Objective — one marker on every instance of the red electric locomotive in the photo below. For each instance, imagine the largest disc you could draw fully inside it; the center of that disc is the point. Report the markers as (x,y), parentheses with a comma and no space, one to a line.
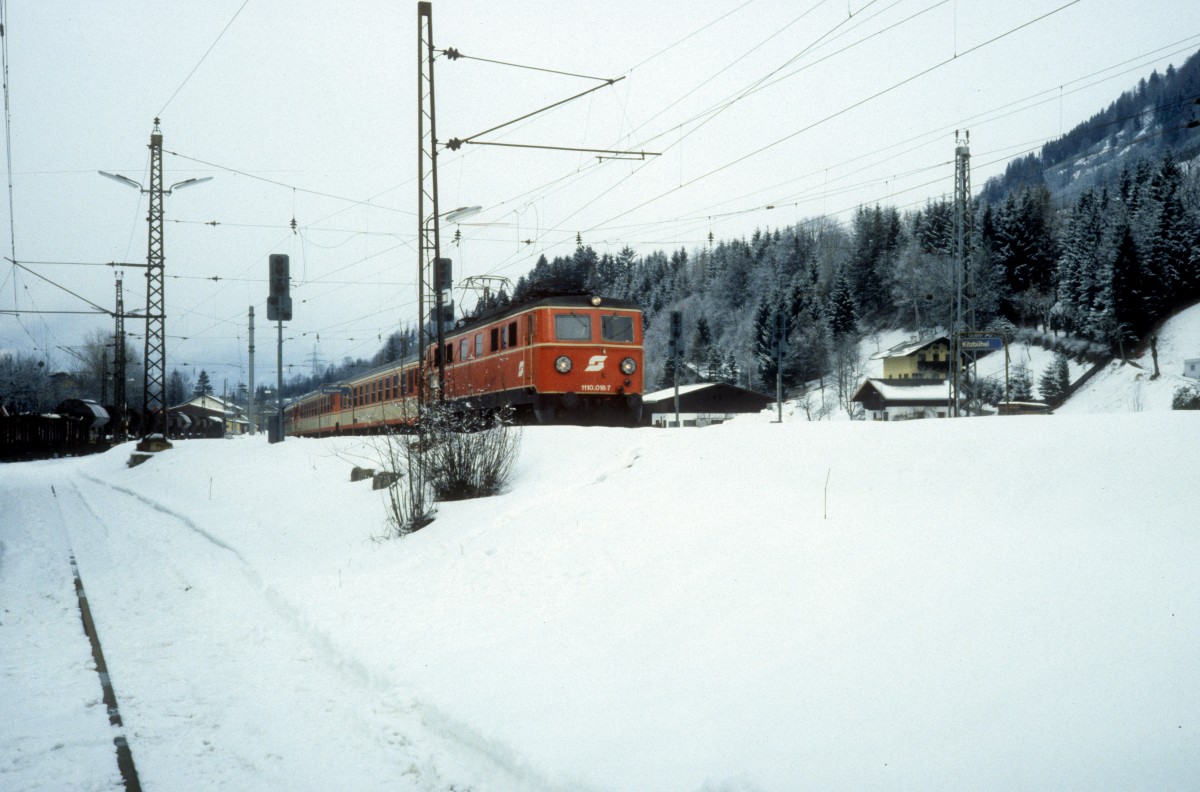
(560,359)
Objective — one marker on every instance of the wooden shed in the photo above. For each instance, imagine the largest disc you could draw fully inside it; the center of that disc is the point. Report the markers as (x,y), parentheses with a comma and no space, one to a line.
(701,404)
(898,400)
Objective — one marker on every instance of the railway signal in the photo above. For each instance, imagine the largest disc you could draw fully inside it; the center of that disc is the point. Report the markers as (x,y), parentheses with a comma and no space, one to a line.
(279,300)
(443,279)
(279,310)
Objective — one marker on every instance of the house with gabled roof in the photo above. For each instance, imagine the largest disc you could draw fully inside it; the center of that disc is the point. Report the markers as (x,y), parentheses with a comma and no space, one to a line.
(925,358)
(209,416)
(915,381)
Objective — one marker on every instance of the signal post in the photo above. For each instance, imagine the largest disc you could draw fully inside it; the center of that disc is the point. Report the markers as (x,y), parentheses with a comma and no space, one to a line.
(279,310)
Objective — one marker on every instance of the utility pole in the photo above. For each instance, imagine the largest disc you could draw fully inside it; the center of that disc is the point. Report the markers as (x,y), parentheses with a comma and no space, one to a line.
(315,361)
(154,384)
(780,345)
(676,350)
(119,365)
(250,396)
(964,306)
(103,377)
(279,383)
(428,223)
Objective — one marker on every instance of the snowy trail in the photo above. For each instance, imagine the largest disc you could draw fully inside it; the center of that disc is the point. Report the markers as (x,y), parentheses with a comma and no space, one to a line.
(240,653)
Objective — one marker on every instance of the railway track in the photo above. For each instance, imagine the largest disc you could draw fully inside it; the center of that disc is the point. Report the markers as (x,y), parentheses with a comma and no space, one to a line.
(125,762)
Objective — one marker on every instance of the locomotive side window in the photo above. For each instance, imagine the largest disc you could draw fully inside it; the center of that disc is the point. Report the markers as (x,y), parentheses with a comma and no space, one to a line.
(462,349)
(512,333)
(616,328)
(572,327)
(478,344)
(495,339)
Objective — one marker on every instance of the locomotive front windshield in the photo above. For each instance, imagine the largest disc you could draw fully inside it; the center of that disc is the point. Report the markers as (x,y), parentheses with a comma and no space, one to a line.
(572,327)
(617,328)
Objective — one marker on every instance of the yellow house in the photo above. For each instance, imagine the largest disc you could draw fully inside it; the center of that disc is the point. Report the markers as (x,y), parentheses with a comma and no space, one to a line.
(919,359)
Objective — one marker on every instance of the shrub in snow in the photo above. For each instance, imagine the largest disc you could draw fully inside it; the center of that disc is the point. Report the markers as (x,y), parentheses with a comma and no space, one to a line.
(1187,397)
(468,456)
(452,457)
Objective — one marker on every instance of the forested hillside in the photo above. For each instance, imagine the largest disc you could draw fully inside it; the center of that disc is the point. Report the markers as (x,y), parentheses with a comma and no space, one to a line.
(1104,269)
(1143,123)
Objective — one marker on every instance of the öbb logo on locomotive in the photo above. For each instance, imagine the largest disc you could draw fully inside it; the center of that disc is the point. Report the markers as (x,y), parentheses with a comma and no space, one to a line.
(596,363)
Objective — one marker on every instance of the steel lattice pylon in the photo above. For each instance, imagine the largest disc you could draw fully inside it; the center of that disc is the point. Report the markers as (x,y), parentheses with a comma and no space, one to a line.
(964,306)
(119,364)
(155,382)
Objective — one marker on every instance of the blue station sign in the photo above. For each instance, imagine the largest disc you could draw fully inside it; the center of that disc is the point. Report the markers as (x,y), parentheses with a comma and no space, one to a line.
(981,343)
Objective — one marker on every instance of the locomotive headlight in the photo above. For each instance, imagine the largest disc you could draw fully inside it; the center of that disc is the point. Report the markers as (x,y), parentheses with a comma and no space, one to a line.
(628,366)
(562,364)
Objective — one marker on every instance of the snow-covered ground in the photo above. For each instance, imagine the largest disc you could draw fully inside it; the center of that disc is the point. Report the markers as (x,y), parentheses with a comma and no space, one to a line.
(986,604)
(1130,387)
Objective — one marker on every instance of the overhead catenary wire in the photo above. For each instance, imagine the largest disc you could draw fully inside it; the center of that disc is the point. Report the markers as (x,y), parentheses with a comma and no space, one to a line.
(204,56)
(277,183)
(454,54)
(552,231)
(848,108)
(714,111)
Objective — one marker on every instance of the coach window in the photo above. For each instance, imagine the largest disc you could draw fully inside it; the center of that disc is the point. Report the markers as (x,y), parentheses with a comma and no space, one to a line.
(572,327)
(616,328)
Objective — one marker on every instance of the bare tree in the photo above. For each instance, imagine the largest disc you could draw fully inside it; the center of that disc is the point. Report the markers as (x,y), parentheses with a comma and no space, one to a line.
(409,495)
(848,371)
(24,384)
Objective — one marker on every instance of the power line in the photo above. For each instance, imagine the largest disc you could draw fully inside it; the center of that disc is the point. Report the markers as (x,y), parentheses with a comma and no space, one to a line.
(202,57)
(454,54)
(249,175)
(843,111)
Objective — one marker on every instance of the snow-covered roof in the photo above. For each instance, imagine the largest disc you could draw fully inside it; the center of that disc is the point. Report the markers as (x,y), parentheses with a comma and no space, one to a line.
(893,391)
(670,392)
(906,348)
(207,402)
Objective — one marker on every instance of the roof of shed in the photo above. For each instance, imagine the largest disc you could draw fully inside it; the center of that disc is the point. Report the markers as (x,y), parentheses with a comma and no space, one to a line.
(907,391)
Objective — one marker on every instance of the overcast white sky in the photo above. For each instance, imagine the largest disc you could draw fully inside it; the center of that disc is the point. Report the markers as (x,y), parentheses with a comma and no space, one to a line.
(855,103)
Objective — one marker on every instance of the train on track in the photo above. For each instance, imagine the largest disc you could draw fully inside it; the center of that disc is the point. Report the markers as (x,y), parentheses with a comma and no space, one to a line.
(573,359)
